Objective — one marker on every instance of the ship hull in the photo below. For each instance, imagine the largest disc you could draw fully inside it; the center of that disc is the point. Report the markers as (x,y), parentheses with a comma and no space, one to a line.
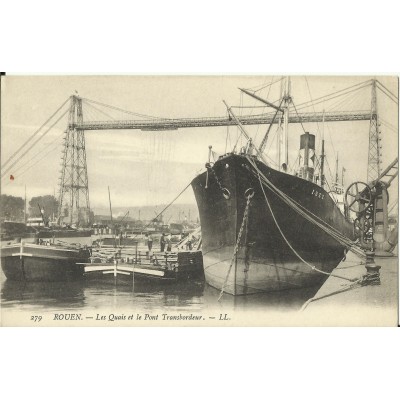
(37,263)
(58,236)
(265,261)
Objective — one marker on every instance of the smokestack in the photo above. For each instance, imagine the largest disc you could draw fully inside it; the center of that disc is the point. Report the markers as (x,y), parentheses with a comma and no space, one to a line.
(307,150)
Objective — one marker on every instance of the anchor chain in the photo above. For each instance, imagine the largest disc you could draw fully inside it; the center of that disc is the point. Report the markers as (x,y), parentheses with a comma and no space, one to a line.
(225,192)
(236,249)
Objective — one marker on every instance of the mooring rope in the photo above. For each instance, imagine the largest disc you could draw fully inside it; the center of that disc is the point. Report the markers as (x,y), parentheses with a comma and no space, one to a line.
(313,267)
(367,279)
(331,231)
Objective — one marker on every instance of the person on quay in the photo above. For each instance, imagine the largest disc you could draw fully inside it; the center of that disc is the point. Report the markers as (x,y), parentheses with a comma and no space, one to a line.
(169,243)
(162,242)
(149,241)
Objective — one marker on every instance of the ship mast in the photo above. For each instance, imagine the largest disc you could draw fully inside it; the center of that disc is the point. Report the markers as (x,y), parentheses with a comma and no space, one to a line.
(245,134)
(322,172)
(337,170)
(261,148)
(283,134)
(285,137)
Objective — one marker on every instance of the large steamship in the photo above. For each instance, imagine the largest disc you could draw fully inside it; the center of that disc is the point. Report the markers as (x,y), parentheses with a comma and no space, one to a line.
(265,229)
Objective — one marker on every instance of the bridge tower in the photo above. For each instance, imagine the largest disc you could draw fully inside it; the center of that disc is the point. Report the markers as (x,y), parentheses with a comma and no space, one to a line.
(374,149)
(73,202)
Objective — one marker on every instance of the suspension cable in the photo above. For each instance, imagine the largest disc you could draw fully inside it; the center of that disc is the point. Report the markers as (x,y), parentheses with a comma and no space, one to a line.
(35,155)
(100,111)
(30,148)
(29,167)
(389,92)
(34,134)
(120,109)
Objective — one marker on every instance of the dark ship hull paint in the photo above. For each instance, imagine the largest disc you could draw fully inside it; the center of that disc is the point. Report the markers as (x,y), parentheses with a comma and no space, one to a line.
(270,263)
(38,263)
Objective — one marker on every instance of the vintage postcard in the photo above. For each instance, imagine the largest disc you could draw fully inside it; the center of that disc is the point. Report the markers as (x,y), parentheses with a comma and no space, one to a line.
(199,201)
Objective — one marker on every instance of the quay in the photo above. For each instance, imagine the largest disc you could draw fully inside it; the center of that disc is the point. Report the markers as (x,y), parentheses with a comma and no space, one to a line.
(341,302)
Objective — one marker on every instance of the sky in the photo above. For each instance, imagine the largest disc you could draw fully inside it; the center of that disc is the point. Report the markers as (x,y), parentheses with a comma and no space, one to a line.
(149,168)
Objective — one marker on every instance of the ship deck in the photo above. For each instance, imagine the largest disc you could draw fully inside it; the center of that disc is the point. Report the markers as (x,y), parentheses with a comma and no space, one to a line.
(338,302)
(166,266)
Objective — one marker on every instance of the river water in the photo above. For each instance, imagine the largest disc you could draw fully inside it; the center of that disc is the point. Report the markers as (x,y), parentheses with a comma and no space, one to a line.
(89,298)
(86,296)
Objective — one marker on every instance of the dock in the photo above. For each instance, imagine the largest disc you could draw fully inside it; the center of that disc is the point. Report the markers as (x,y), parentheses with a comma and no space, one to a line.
(357,301)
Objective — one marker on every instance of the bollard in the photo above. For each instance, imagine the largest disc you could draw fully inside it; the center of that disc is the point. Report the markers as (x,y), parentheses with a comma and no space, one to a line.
(372,276)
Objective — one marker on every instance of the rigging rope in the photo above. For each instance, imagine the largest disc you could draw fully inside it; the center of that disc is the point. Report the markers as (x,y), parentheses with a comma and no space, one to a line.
(331,175)
(334,95)
(307,214)
(269,90)
(309,91)
(298,116)
(264,86)
(313,267)
(249,107)
(176,198)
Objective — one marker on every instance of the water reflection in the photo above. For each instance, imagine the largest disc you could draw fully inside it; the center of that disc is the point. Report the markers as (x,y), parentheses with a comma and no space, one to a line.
(194,296)
(182,296)
(52,295)
(89,295)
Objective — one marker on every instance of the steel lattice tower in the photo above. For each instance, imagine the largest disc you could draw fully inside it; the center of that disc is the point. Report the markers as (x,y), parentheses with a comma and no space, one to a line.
(374,150)
(74,207)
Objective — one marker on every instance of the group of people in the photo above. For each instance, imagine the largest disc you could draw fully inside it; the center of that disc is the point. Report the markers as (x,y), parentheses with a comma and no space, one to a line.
(164,241)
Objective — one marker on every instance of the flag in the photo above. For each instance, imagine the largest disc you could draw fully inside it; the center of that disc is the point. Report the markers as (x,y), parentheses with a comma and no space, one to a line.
(11,177)
(214,155)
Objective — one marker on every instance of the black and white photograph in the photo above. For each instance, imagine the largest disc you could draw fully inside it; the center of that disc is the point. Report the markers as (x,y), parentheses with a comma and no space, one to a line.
(199,200)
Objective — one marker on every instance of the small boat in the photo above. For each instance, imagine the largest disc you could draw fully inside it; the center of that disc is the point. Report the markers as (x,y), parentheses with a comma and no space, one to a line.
(161,267)
(14,232)
(43,262)
(65,236)
(10,230)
